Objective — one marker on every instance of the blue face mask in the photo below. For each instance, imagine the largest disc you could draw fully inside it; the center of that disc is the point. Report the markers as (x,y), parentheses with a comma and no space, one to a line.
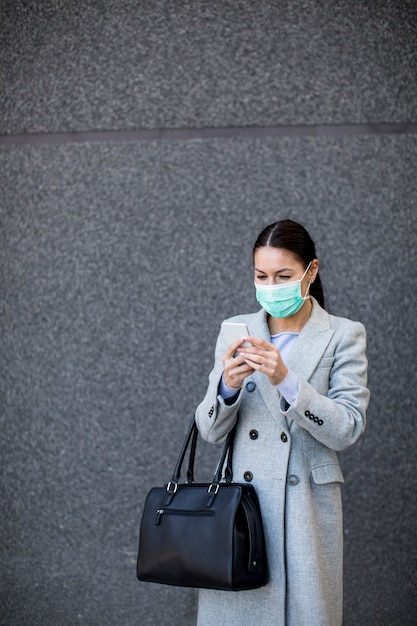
(282,300)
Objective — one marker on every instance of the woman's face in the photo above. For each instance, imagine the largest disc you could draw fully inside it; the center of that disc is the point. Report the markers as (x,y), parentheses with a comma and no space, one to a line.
(277,266)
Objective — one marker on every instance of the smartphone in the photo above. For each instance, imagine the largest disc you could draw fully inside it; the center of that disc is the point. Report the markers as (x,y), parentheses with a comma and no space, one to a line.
(234,331)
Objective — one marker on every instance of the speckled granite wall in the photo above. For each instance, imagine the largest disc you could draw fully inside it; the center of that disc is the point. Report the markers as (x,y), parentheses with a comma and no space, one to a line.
(75,66)
(119,261)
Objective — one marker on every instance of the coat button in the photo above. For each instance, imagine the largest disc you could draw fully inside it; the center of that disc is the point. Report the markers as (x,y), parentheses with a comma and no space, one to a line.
(284,437)
(248,476)
(250,386)
(253,434)
(293,480)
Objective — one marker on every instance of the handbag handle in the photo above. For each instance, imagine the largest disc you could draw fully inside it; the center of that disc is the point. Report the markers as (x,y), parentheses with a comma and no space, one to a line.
(192,436)
(190,470)
(172,486)
(228,472)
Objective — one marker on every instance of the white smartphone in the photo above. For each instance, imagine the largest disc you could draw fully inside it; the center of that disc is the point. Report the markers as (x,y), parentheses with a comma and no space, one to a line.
(234,331)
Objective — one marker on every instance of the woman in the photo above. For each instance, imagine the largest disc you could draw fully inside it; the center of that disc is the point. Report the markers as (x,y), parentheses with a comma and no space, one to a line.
(299,394)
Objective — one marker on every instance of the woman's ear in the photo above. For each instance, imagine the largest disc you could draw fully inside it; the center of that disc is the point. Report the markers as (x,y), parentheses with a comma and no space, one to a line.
(313,270)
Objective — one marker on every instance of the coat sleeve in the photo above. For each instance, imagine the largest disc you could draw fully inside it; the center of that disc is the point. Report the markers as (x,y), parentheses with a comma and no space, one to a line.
(337,419)
(215,417)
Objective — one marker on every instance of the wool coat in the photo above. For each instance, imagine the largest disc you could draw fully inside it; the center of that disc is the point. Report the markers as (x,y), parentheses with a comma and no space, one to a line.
(289,454)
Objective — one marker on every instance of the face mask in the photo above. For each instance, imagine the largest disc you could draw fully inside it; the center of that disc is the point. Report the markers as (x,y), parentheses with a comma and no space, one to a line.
(282,300)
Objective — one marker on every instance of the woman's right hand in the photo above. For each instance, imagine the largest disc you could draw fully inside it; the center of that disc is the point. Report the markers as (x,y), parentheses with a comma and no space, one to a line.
(235,369)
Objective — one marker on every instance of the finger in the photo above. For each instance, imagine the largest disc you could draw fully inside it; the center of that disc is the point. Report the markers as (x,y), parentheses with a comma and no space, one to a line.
(233,347)
(258,342)
(236,377)
(237,360)
(255,361)
(256,354)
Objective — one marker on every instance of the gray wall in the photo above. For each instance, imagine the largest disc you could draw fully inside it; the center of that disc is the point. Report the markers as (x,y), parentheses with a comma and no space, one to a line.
(126,233)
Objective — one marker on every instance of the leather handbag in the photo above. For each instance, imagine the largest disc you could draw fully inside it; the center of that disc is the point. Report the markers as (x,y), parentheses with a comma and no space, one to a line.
(206,535)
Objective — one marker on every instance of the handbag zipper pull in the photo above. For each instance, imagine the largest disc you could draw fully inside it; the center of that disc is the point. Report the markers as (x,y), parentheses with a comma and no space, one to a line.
(159,514)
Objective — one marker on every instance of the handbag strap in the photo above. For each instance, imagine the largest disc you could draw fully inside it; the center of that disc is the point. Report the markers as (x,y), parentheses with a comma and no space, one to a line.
(173,483)
(228,472)
(192,436)
(226,452)
(190,470)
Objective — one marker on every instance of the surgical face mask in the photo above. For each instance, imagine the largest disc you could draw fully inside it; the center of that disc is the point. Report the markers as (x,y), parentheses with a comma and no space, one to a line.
(282,300)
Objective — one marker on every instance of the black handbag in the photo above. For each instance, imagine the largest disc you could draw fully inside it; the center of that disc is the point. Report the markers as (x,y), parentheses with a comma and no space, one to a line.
(206,535)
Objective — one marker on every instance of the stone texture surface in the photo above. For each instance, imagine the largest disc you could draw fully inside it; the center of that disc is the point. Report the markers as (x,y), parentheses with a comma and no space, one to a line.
(119,262)
(71,66)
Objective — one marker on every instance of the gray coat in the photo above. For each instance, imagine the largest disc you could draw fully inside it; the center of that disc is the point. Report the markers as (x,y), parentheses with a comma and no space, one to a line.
(290,458)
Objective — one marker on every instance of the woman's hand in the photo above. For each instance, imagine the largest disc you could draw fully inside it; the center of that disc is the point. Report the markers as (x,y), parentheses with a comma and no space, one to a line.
(266,358)
(236,368)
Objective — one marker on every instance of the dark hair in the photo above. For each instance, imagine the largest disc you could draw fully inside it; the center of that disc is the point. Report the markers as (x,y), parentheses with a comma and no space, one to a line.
(293,237)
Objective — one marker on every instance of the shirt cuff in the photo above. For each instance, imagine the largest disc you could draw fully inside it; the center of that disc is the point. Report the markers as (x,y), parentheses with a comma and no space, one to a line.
(225,391)
(289,387)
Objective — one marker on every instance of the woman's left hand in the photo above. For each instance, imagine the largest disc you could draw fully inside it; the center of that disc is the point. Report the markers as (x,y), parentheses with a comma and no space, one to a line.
(264,357)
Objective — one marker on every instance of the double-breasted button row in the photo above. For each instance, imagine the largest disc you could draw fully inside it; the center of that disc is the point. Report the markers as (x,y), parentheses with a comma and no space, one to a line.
(253,434)
(313,417)
(292,480)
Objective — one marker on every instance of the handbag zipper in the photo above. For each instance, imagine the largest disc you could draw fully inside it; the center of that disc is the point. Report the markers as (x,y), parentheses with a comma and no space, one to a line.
(199,513)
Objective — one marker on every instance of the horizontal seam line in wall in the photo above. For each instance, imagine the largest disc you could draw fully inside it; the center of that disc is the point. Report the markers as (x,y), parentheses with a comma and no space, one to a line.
(186,134)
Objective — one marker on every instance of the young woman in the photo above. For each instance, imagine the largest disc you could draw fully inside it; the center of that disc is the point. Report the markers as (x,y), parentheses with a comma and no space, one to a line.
(299,394)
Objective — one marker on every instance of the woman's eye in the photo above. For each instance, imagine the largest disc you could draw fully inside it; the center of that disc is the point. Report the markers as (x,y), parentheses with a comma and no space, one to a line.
(285,277)
(260,277)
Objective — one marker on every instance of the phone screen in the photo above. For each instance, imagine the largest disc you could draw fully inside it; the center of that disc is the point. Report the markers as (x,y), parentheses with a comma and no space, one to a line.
(234,331)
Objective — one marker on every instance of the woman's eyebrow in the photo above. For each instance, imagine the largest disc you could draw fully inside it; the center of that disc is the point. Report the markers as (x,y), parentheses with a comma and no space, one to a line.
(284,269)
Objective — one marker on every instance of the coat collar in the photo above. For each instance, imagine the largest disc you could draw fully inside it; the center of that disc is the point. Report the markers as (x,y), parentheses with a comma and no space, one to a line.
(311,343)
(305,354)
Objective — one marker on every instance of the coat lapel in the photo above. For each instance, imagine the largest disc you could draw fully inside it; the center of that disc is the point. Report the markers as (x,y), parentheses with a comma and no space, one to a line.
(303,359)
(311,343)
(268,392)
